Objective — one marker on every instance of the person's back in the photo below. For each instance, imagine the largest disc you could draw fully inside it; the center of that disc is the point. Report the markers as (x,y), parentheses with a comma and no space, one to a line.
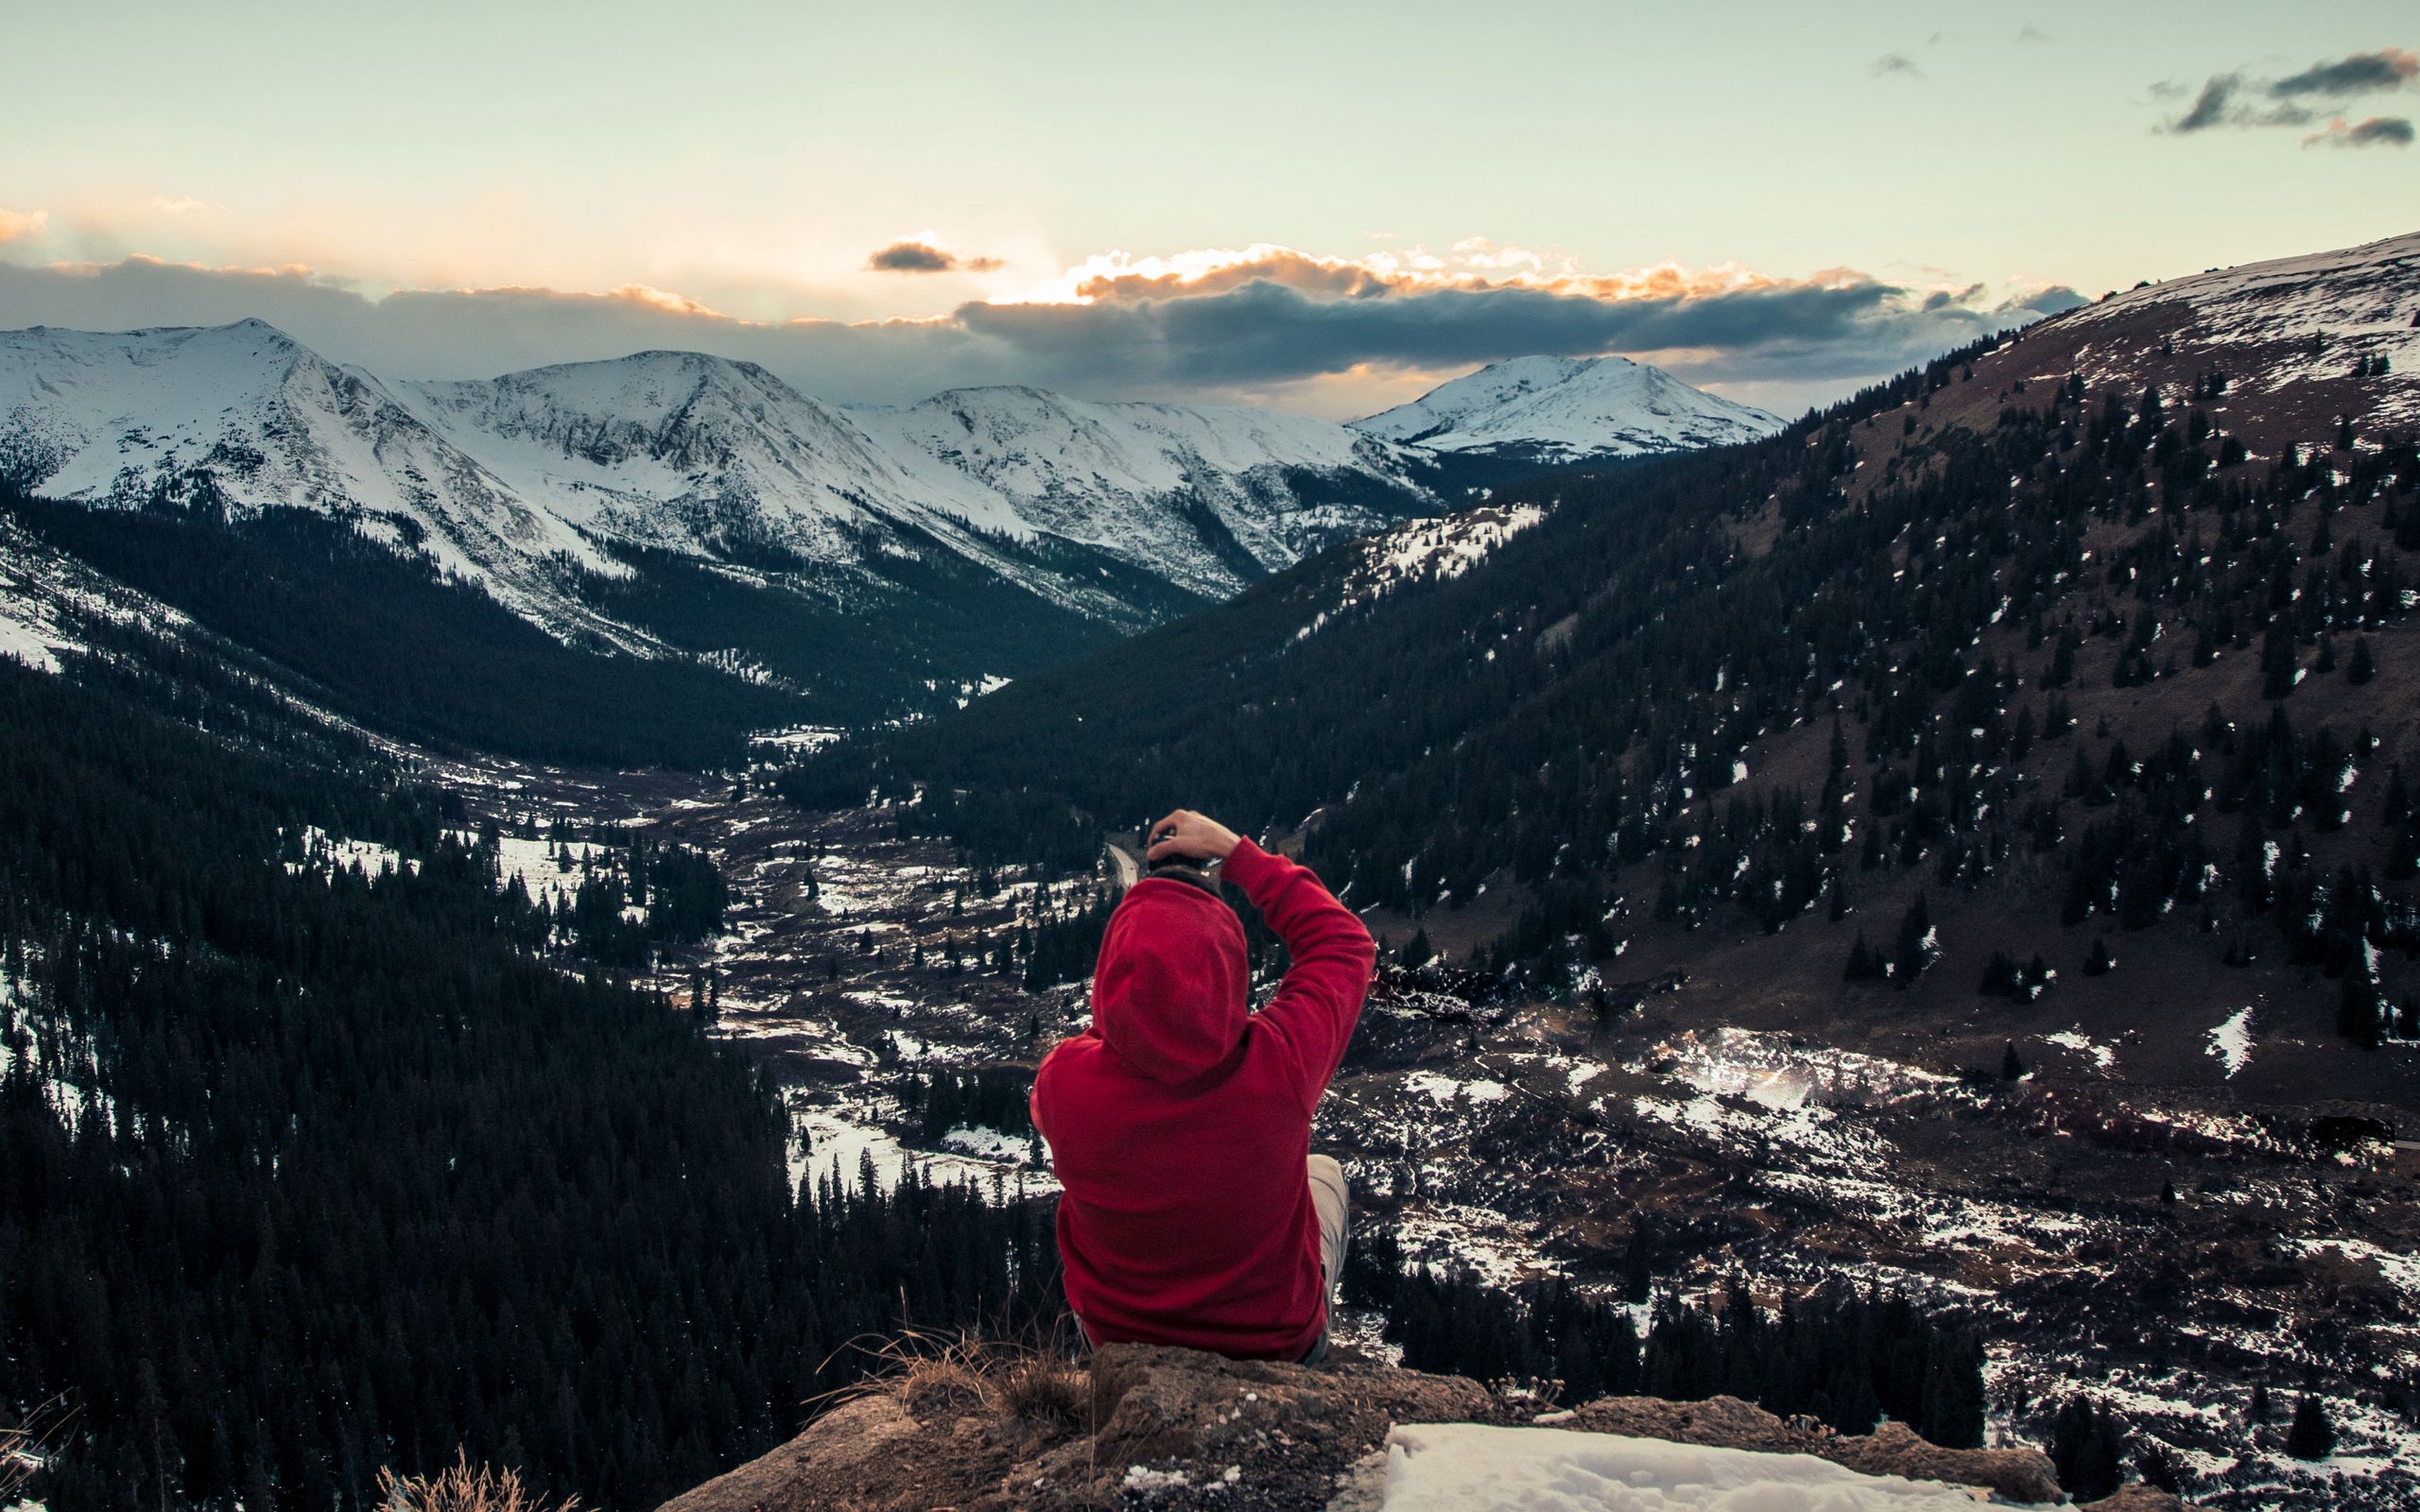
(1180,1123)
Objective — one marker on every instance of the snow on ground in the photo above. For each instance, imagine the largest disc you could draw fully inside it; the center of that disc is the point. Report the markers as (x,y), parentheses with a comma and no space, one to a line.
(72,1085)
(1478,1241)
(799,740)
(1468,1467)
(2324,307)
(2402,1272)
(2103,1057)
(1423,550)
(325,852)
(1444,1089)
(549,870)
(1780,1073)
(2231,1042)
(828,1137)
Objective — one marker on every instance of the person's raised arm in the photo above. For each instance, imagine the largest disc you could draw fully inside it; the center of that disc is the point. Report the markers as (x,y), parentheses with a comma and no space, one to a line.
(1331,953)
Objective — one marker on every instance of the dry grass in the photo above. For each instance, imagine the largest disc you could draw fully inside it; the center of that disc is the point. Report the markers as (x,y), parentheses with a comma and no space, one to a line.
(22,1448)
(17,1463)
(1032,1380)
(462,1487)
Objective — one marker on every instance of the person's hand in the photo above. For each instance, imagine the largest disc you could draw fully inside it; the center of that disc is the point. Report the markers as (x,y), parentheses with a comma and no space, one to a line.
(1191,835)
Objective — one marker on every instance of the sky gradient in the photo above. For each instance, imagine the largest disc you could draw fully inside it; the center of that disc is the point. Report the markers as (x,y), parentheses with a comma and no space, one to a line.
(1328,208)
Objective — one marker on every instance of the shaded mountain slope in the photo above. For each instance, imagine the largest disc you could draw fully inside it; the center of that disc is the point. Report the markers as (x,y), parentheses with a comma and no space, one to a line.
(2110,618)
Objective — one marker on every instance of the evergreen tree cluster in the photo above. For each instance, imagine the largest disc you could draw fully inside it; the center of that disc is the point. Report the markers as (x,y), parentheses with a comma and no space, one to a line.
(1837,1355)
(992,1097)
(2088,1448)
(307,1173)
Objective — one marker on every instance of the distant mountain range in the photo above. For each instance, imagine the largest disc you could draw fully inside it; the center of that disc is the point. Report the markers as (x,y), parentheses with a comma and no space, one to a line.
(1564,409)
(880,562)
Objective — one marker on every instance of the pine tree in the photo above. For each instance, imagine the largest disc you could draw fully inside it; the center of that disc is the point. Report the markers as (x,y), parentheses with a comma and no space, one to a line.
(1862,966)
(1916,944)
(2011,1065)
(2361,668)
(2311,1437)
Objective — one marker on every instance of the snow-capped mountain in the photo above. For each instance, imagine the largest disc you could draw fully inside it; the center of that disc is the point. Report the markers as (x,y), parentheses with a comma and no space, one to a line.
(505,482)
(241,418)
(1565,410)
(1213,497)
(699,454)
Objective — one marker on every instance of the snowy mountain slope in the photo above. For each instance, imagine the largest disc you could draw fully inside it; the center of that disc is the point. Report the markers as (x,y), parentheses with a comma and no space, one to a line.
(699,453)
(1569,409)
(2312,323)
(505,481)
(1214,496)
(239,417)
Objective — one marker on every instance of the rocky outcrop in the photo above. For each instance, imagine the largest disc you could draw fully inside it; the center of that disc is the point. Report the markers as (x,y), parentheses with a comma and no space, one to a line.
(1176,1429)
(2011,1474)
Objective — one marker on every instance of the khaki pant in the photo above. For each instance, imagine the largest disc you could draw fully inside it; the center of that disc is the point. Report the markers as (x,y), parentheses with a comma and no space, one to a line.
(1336,1218)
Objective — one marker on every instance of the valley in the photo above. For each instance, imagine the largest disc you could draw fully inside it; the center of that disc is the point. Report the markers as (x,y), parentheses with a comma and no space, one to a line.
(2124,1224)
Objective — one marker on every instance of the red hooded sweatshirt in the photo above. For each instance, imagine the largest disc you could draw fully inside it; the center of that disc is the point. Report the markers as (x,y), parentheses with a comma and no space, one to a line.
(1180,1123)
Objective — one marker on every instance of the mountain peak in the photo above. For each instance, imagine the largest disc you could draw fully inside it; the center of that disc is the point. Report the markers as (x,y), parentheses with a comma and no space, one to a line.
(1569,409)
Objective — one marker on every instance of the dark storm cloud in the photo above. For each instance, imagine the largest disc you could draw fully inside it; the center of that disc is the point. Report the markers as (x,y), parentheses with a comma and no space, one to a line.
(2387,68)
(1255,337)
(2235,100)
(921,257)
(2377,132)
(1266,332)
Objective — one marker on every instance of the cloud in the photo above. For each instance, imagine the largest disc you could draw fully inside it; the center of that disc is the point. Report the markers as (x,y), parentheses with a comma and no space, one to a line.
(1891,64)
(2032,34)
(912,256)
(2221,103)
(184,205)
(2360,73)
(2378,130)
(24,225)
(1264,325)
(2234,99)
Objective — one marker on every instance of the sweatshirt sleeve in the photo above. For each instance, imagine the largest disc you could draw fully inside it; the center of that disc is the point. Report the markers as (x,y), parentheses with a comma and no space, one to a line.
(1320,1000)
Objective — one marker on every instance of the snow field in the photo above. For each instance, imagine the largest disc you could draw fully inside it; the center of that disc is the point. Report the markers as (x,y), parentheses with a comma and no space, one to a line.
(1475,1467)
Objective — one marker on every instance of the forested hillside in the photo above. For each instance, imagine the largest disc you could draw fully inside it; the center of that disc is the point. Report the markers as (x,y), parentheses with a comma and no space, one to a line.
(2081,614)
(309,1168)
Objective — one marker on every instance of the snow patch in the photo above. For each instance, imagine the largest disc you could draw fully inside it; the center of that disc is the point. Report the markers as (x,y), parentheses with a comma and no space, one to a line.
(1456,1467)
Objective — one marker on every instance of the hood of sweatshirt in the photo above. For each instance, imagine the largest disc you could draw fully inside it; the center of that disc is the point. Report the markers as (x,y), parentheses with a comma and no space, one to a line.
(1169,990)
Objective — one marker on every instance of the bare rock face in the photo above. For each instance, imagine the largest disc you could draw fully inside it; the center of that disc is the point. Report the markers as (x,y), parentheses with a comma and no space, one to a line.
(1178,1429)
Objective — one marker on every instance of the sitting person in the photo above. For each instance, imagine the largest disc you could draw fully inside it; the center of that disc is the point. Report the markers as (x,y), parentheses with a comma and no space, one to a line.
(1179,1124)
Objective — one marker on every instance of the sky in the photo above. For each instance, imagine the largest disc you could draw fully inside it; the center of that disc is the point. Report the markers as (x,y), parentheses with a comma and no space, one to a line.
(1320,207)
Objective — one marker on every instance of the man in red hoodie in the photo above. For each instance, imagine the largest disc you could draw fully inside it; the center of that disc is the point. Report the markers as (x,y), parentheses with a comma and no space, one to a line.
(1193,1212)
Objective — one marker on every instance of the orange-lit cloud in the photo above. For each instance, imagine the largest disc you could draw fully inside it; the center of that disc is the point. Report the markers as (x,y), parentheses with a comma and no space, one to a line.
(1263,323)
(24,225)
(1474,265)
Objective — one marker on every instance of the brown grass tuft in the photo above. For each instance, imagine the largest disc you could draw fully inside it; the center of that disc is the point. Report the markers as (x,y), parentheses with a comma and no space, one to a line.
(17,1463)
(462,1487)
(1033,1379)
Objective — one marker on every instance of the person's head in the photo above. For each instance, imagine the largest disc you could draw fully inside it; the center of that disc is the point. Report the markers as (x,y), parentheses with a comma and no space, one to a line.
(1169,990)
